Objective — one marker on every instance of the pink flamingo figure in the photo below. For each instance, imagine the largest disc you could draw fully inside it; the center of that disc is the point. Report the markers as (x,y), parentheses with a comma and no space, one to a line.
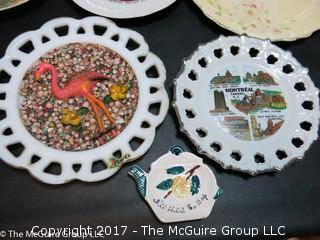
(80,85)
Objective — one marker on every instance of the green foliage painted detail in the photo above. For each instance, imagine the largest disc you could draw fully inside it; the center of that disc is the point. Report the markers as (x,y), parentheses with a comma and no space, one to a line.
(195,184)
(175,170)
(165,185)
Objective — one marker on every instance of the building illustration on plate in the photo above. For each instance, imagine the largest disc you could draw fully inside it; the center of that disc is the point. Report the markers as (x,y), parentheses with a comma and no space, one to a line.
(238,127)
(271,128)
(220,105)
(259,100)
(228,78)
(259,78)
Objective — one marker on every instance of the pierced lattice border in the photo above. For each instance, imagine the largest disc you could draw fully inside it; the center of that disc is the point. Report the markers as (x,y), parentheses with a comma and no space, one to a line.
(51,165)
(274,153)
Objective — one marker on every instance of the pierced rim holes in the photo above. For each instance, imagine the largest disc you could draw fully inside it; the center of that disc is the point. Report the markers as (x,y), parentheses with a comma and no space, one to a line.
(234,50)
(281,154)
(253,52)
(27,47)
(216,146)
(236,155)
(98,166)
(4,77)
(193,75)
(308,105)
(187,93)
(135,143)
(297,142)
(272,59)
(287,69)
(99,30)
(305,125)
(299,86)
(202,133)
(218,53)
(190,114)
(259,158)
(152,72)
(132,45)
(203,62)
(16,149)
(54,168)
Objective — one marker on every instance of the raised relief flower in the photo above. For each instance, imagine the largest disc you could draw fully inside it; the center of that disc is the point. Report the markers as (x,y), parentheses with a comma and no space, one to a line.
(118,92)
(70,117)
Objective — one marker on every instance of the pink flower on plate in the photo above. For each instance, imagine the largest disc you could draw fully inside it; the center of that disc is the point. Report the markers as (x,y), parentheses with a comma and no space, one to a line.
(255,5)
(114,133)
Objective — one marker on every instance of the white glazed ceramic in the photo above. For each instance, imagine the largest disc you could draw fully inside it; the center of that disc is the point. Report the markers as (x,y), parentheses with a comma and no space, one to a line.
(179,187)
(83,159)
(7,4)
(240,104)
(124,9)
(285,20)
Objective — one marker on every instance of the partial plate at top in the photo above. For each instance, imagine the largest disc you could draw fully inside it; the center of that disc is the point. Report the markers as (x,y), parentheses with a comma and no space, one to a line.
(123,8)
(285,20)
(6,4)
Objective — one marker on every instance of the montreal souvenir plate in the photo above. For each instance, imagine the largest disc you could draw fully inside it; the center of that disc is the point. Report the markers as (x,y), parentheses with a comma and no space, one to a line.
(123,8)
(247,104)
(79,99)
(285,20)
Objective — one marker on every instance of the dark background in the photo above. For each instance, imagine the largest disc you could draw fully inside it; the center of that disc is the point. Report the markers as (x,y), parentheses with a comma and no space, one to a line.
(290,198)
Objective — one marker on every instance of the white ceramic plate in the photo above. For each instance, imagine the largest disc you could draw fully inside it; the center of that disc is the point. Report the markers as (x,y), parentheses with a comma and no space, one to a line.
(247,104)
(284,20)
(79,165)
(124,8)
(6,4)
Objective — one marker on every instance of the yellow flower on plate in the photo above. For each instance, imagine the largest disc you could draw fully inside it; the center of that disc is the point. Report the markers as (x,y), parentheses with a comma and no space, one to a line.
(181,186)
(118,92)
(70,117)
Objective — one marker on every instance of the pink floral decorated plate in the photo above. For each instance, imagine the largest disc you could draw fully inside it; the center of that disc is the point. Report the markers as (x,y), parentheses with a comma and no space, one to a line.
(285,20)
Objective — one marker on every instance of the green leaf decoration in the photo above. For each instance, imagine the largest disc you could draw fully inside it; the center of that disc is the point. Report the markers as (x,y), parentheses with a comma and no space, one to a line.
(195,185)
(78,128)
(83,111)
(129,84)
(175,170)
(107,99)
(165,185)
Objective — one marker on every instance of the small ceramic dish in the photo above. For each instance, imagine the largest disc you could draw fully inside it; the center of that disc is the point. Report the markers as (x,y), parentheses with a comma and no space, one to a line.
(7,4)
(247,104)
(179,187)
(123,8)
(285,20)
(79,99)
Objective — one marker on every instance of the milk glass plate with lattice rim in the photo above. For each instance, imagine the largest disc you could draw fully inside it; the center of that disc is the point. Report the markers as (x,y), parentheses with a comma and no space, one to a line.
(6,4)
(285,20)
(247,104)
(57,137)
(123,8)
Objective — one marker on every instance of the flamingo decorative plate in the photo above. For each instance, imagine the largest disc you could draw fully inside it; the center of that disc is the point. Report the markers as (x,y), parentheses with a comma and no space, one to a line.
(285,20)
(123,8)
(79,98)
(247,104)
(6,4)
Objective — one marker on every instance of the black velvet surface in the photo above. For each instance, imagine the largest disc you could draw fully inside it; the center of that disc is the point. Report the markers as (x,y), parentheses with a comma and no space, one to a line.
(290,198)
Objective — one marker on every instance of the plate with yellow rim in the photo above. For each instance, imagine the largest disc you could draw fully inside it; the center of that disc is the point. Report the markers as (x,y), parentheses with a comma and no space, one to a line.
(6,4)
(285,20)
